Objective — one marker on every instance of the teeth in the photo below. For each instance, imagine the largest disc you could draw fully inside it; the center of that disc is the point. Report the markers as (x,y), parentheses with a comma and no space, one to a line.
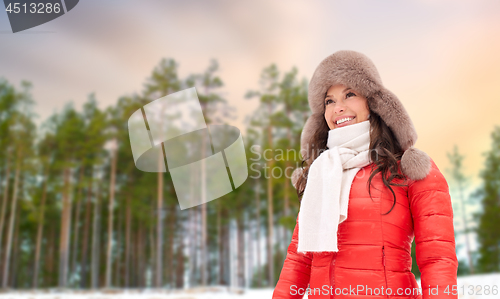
(343,120)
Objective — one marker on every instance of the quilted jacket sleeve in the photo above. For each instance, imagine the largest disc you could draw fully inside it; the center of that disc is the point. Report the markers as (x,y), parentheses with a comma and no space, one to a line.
(294,277)
(432,214)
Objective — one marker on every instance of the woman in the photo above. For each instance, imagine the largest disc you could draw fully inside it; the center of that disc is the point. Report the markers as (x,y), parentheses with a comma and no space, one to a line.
(366,192)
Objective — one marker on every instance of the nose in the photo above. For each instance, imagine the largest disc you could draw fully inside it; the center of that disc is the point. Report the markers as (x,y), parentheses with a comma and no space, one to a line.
(339,107)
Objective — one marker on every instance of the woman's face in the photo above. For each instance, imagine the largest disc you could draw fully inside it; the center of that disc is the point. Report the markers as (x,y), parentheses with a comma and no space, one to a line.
(344,106)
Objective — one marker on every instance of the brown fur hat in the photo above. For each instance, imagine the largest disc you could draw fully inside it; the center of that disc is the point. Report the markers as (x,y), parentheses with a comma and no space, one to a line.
(357,71)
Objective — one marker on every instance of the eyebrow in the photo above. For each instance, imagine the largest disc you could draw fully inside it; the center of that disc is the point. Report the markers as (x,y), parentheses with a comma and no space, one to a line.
(329,95)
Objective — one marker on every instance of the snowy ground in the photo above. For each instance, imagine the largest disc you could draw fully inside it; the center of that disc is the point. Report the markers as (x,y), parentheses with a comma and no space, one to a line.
(469,287)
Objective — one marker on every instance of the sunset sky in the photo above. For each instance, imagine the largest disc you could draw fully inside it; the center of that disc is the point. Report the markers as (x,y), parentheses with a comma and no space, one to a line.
(441,58)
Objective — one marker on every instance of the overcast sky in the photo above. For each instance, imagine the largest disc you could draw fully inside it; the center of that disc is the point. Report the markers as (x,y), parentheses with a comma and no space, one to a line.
(441,59)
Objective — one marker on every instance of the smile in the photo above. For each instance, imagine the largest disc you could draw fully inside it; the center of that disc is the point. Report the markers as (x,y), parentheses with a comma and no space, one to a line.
(343,120)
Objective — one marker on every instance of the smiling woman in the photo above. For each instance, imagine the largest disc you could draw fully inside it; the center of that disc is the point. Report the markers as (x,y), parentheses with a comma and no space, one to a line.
(356,230)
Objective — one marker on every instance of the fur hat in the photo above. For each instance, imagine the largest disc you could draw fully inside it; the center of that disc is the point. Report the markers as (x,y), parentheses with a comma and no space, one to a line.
(357,71)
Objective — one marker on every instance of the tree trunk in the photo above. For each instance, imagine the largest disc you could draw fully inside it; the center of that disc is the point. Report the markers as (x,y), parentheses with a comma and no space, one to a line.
(198,238)
(5,199)
(39,234)
(136,252)
(180,265)
(250,251)
(109,254)
(169,266)
(127,241)
(5,277)
(192,234)
(270,213)
(241,250)
(467,244)
(140,245)
(118,262)
(76,227)
(203,243)
(95,241)
(257,199)
(203,217)
(171,240)
(192,246)
(168,251)
(65,231)
(86,232)
(15,257)
(286,200)
(153,255)
(219,242)
(52,242)
(133,258)
(159,240)
(225,251)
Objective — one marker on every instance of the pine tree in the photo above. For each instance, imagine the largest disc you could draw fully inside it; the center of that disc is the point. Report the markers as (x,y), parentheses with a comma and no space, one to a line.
(460,182)
(269,81)
(22,132)
(488,234)
(163,81)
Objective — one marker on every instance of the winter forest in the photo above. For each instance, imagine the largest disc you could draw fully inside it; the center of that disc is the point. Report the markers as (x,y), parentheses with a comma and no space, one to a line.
(75,212)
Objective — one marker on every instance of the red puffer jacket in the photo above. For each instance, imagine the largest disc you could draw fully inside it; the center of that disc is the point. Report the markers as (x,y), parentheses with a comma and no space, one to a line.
(375,249)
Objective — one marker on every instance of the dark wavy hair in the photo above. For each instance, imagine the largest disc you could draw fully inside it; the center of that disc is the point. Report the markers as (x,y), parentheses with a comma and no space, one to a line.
(385,152)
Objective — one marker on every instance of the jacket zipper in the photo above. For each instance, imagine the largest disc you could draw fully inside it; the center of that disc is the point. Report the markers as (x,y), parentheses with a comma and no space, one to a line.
(383,256)
(383,262)
(332,274)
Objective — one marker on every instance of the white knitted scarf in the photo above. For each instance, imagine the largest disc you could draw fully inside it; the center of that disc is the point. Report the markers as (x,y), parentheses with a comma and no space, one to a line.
(326,196)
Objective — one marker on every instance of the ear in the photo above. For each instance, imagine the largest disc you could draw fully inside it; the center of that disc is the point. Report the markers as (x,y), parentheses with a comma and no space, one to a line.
(392,112)
(296,175)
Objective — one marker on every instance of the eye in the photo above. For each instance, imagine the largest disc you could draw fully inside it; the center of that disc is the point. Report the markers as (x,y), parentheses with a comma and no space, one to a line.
(350,93)
(329,101)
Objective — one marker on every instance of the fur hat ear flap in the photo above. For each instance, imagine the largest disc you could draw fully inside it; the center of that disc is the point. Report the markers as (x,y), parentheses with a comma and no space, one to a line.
(314,123)
(415,164)
(391,110)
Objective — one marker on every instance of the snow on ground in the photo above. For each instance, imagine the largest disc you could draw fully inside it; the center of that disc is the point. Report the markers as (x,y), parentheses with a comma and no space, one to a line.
(469,287)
